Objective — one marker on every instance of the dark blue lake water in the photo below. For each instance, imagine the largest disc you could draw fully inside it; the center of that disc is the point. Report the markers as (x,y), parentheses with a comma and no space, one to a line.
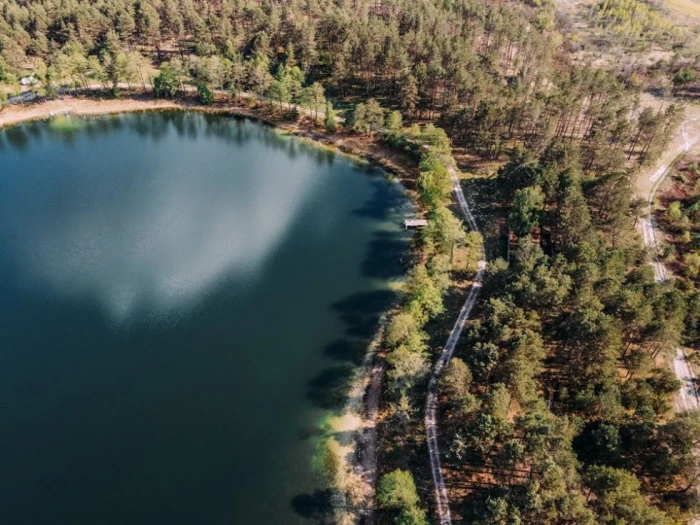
(182,299)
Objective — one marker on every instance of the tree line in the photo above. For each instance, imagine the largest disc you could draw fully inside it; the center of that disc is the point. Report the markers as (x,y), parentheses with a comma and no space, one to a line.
(495,75)
(555,408)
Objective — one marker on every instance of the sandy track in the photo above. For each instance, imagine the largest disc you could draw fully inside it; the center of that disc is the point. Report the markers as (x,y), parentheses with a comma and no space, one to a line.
(441,499)
(648,224)
(687,396)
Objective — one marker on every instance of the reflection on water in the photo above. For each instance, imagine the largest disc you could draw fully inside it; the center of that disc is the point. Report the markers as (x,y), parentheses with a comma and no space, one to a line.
(183,297)
(161,246)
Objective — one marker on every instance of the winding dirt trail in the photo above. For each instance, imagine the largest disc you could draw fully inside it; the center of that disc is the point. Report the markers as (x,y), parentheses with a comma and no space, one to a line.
(441,499)
(687,397)
(648,224)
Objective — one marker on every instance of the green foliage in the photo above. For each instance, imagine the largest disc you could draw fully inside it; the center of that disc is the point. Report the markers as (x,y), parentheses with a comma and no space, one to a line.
(316,98)
(633,20)
(411,516)
(691,261)
(456,380)
(674,212)
(424,296)
(405,329)
(368,117)
(397,490)
(65,123)
(397,496)
(329,118)
(434,182)
(618,498)
(684,76)
(499,79)
(206,96)
(394,122)
(166,84)
(651,393)
(526,210)
(408,366)
(444,231)
(585,304)
(498,401)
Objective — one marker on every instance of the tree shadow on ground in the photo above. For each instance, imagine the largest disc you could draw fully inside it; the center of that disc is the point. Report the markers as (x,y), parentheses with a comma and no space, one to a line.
(489,213)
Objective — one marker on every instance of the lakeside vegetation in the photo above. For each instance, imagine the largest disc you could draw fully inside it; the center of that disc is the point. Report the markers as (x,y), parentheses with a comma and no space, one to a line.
(555,409)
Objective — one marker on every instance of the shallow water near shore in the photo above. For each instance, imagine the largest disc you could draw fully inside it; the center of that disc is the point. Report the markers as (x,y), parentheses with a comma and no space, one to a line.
(184,298)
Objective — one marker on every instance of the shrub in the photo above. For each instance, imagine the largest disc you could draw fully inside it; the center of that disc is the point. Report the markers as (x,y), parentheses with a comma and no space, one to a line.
(692,263)
(206,96)
(397,490)
(673,212)
(166,84)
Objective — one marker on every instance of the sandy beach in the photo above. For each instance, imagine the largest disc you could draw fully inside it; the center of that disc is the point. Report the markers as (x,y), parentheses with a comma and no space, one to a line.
(80,106)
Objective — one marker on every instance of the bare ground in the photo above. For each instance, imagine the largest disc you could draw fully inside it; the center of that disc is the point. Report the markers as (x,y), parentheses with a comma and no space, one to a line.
(80,106)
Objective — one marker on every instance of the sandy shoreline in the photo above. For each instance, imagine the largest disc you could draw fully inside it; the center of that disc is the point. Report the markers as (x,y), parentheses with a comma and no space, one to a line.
(16,114)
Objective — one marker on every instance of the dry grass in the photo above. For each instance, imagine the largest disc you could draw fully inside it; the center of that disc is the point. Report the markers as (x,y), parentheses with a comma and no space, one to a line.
(689,8)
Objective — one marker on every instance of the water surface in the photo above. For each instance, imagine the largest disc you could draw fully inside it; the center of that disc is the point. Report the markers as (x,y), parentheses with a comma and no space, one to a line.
(182,300)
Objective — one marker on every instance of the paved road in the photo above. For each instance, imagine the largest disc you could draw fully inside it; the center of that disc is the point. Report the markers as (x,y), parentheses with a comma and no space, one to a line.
(441,500)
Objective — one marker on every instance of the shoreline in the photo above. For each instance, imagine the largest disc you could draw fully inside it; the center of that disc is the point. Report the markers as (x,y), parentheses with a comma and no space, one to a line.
(89,103)
(357,457)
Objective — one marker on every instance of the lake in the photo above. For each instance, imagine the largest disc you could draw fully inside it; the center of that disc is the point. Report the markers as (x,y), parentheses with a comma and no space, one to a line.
(183,299)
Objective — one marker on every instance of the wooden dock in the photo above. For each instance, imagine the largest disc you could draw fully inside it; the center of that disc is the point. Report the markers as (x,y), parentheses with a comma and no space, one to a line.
(415,223)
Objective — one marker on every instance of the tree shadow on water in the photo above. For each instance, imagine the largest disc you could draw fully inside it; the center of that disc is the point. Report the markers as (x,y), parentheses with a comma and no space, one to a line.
(17,137)
(385,256)
(360,313)
(317,506)
(329,389)
(387,200)
(347,349)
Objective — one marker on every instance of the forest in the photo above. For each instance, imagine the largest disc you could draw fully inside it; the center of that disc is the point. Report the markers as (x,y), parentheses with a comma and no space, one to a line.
(554,409)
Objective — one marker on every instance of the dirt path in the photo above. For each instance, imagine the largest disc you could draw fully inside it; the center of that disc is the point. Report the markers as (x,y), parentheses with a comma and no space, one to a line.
(441,500)
(687,398)
(647,185)
(687,137)
(16,114)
